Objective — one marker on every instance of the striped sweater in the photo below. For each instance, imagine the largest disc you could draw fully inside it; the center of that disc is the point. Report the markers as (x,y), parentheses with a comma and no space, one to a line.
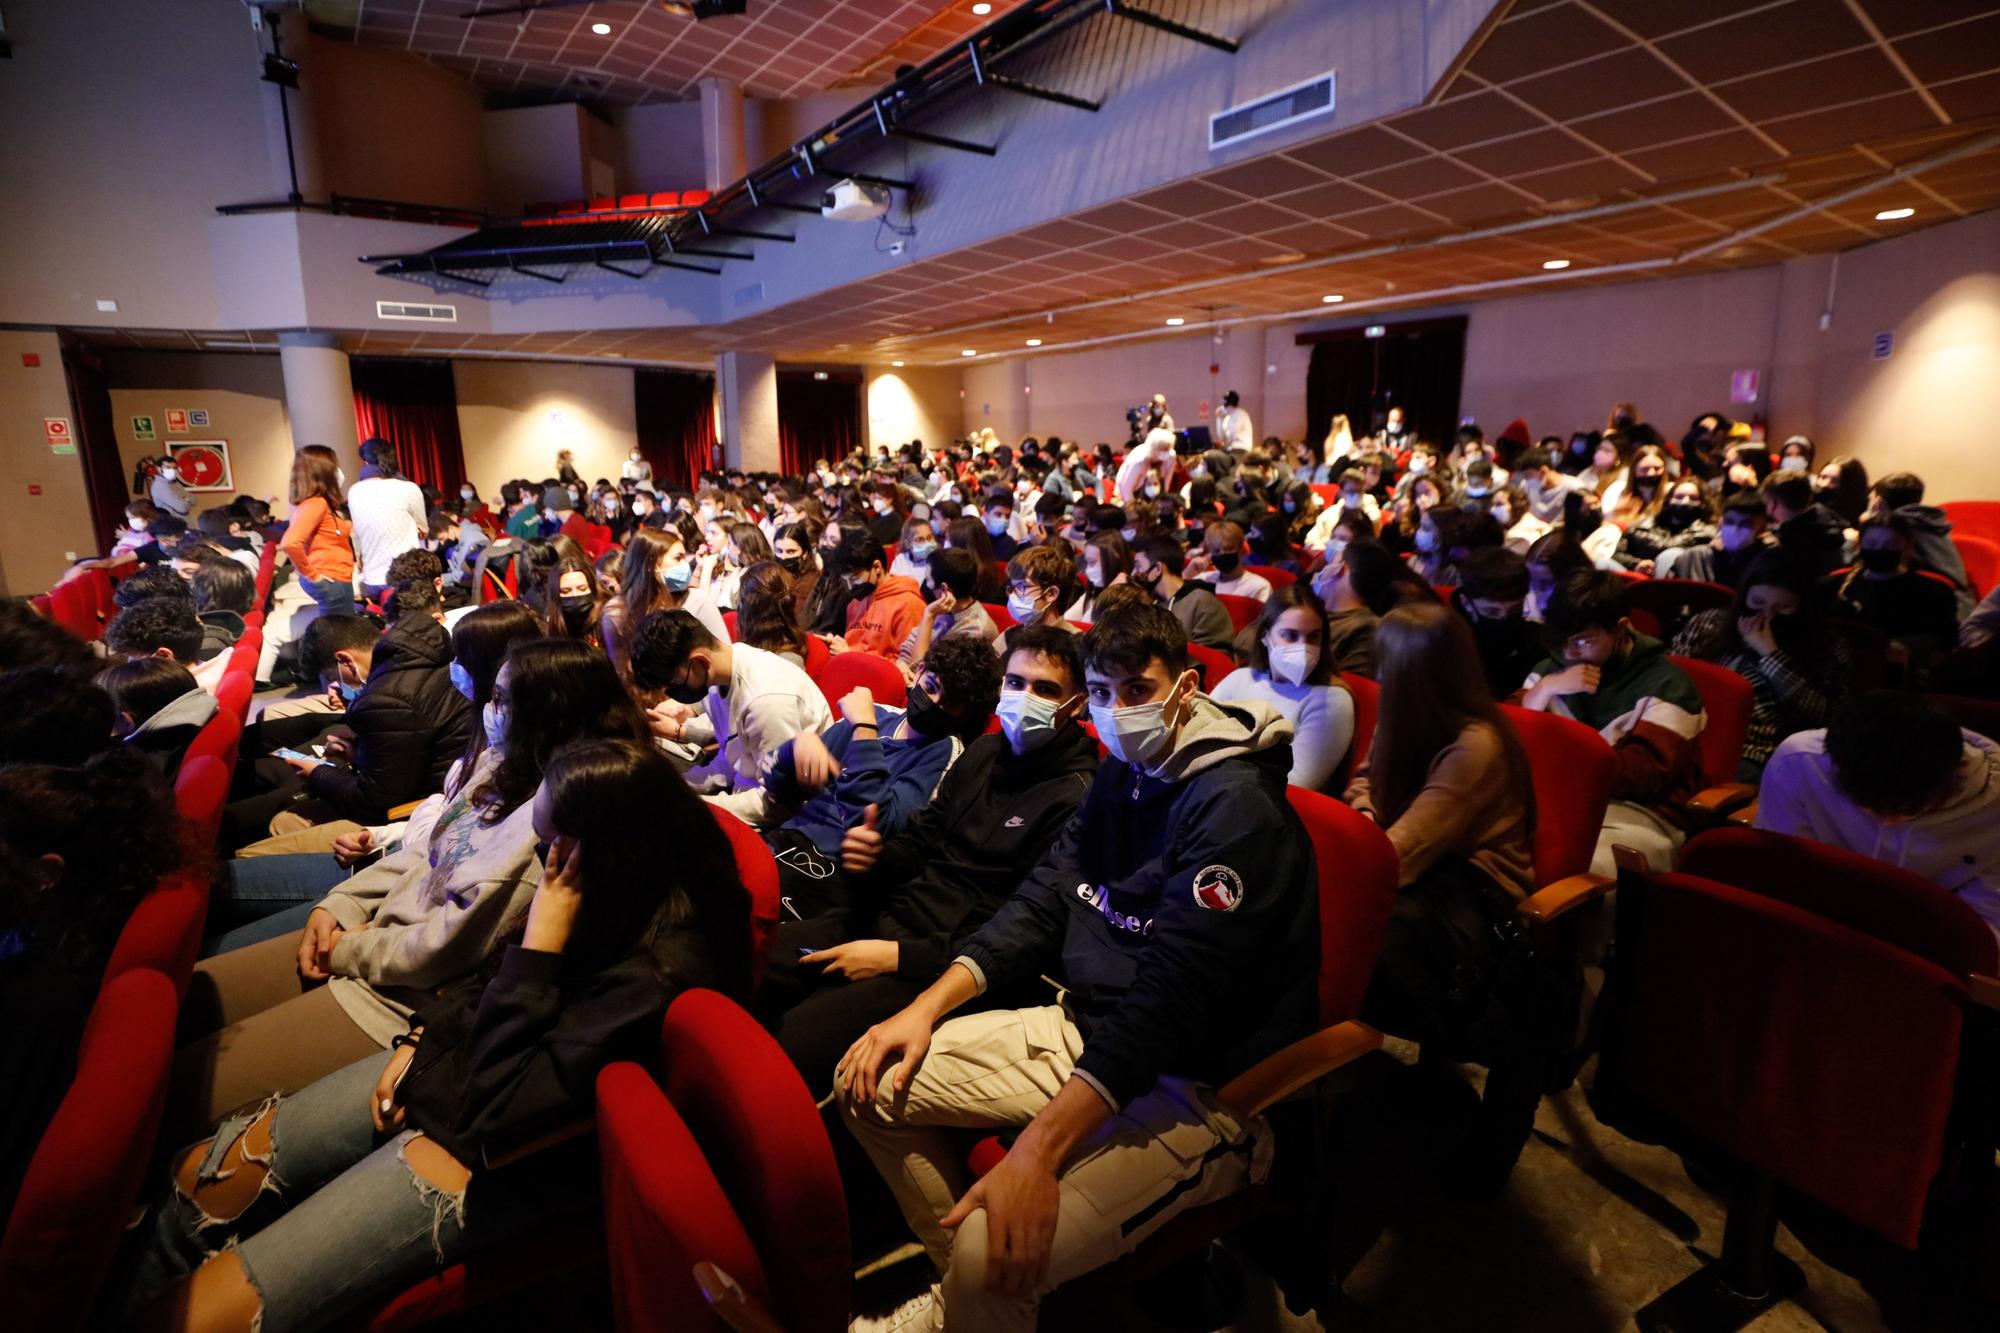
(1650,713)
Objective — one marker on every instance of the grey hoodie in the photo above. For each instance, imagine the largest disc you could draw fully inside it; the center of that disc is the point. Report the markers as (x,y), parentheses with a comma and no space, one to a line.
(1932,549)
(165,736)
(1218,731)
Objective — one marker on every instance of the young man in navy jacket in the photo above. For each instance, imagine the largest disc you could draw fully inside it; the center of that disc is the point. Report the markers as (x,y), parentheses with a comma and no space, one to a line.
(1180,911)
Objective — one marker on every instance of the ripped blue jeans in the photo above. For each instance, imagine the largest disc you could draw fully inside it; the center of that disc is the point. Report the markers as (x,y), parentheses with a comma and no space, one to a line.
(341,1221)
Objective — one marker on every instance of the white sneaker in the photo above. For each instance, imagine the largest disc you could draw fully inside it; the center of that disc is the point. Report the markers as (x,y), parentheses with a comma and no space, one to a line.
(922,1313)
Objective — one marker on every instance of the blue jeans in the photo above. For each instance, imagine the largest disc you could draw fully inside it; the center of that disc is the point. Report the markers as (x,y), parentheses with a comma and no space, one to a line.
(335,597)
(267,896)
(342,1221)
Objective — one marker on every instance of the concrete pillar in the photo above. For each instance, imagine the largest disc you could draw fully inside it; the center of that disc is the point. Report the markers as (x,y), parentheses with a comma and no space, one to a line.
(293,42)
(319,395)
(748,383)
(722,157)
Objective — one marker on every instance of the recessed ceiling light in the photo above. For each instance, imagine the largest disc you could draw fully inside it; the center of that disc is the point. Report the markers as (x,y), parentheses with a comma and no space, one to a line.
(1553,264)
(1176,322)
(1283,257)
(1335,299)
(819,374)
(1034,342)
(1895,214)
(601,29)
(982,9)
(968,352)
(897,364)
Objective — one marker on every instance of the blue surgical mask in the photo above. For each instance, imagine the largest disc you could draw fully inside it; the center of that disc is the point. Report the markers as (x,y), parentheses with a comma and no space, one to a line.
(493,718)
(349,692)
(677,577)
(461,679)
(996,526)
(920,552)
(1792,463)
(1426,540)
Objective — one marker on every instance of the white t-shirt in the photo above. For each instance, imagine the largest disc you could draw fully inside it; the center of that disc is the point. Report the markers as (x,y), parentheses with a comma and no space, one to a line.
(1233,430)
(769,702)
(388,515)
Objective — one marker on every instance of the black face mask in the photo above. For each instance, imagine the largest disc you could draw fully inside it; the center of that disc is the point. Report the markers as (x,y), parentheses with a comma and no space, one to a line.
(926,716)
(1881,559)
(687,692)
(576,613)
(1225,562)
(793,564)
(1675,517)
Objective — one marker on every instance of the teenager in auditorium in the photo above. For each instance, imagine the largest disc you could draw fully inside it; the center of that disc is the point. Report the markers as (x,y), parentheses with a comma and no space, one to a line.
(1293,672)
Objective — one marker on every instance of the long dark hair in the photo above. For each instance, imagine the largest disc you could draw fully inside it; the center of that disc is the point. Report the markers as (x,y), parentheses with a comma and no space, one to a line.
(969,534)
(639,586)
(765,615)
(1849,496)
(1381,580)
(558,690)
(1432,689)
(690,914)
(480,643)
(1805,636)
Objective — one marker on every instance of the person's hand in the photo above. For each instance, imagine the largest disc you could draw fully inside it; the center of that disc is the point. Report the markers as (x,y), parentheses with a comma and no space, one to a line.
(812,763)
(316,946)
(1579,679)
(1197,563)
(858,706)
(858,960)
(944,605)
(302,764)
(557,897)
(1020,1199)
(335,699)
(663,722)
(339,747)
(351,847)
(1755,631)
(862,846)
(391,1120)
(905,1036)
(1645,567)
(837,644)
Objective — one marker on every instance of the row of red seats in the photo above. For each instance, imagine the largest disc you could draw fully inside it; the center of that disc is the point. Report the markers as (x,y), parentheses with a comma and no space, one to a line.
(85,1177)
(607,207)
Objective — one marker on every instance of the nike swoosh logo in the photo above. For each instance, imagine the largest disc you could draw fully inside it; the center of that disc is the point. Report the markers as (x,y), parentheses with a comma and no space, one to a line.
(1015,822)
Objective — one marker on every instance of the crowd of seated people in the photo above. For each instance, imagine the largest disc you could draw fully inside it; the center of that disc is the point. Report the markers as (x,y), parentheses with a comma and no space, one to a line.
(481,847)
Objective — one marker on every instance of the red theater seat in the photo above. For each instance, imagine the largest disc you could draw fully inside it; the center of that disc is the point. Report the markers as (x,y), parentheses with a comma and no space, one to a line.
(163,934)
(1981,555)
(844,671)
(202,787)
(666,199)
(232,696)
(217,740)
(693,198)
(1367,696)
(77,1196)
(760,877)
(1212,663)
(1242,610)
(603,203)
(626,201)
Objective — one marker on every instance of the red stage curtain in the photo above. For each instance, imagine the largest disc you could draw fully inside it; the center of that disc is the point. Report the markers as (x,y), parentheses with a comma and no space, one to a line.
(674,412)
(817,418)
(413,405)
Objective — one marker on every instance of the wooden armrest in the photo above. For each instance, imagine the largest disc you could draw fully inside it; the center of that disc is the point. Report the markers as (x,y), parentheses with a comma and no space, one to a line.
(1552,900)
(731,1304)
(1746,816)
(1720,800)
(575,1129)
(1983,990)
(1305,1061)
(401,812)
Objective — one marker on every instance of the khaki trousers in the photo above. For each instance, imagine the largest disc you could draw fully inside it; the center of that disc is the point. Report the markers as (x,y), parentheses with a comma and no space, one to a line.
(1165,1152)
(253,1027)
(291,833)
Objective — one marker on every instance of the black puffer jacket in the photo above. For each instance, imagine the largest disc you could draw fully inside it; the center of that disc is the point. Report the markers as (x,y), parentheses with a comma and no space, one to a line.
(409,723)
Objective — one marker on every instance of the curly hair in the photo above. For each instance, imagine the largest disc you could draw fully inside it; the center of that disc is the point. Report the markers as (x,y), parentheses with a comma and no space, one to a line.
(968,676)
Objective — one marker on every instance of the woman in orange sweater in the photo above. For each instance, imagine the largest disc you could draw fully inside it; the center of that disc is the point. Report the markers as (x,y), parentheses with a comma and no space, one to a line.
(319,539)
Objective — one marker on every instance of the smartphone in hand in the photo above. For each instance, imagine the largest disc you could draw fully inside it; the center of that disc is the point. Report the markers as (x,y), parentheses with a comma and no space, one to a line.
(286,752)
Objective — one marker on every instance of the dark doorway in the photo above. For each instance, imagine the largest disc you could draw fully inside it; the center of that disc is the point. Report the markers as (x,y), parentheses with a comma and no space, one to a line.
(104,478)
(1416,365)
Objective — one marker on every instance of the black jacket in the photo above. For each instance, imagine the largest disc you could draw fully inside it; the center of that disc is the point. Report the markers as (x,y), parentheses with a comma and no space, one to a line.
(1182,916)
(1508,649)
(409,723)
(993,818)
(504,1063)
(1814,539)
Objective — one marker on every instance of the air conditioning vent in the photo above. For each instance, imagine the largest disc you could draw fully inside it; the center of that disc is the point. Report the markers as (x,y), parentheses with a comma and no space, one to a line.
(1289,106)
(428,314)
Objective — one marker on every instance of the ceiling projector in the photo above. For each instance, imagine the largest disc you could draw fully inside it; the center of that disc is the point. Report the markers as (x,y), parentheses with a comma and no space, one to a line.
(852,201)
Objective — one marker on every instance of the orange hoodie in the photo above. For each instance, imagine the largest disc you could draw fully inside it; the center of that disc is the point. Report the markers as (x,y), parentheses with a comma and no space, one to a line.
(880,623)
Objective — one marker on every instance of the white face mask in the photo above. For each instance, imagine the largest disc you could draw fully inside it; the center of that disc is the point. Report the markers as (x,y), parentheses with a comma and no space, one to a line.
(1293,662)
(1794,463)
(1024,607)
(1027,719)
(494,718)
(1095,573)
(1139,735)
(169,474)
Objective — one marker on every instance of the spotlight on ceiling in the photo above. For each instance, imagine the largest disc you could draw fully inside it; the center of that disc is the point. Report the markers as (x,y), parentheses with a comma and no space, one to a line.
(1175,322)
(819,374)
(1034,342)
(1895,214)
(1554,264)
(1334,299)
(897,364)
(969,352)
(982,10)
(601,29)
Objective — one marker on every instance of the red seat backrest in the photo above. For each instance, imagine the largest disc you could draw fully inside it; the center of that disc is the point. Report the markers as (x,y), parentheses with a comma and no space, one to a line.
(1367,697)
(1242,610)
(1357,887)
(1977,518)
(729,623)
(79,1189)
(817,655)
(1001,615)
(664,1210)
(844,671)
(1745,1013)
(1725,699)
(1328,493)
(666,199)
(1981,557)
(1277,578)
(759,870)
(1570,767)
(216,740)
(755,1121)
(1864,894)
(693,198)
(232,696)
(202,786)
(1212,663)
(163,933)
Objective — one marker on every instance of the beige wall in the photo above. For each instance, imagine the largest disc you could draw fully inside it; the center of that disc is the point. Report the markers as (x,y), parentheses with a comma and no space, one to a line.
(660,146)
(912,403)
(244,396)
(42,530)
(505,419)
(393,126)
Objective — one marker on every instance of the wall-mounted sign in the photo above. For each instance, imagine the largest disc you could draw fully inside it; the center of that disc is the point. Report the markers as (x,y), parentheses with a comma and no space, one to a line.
(204,464)
(198,416)
(142,428)
(62,440)
(177,421)
(1743,386)
(1885,343)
